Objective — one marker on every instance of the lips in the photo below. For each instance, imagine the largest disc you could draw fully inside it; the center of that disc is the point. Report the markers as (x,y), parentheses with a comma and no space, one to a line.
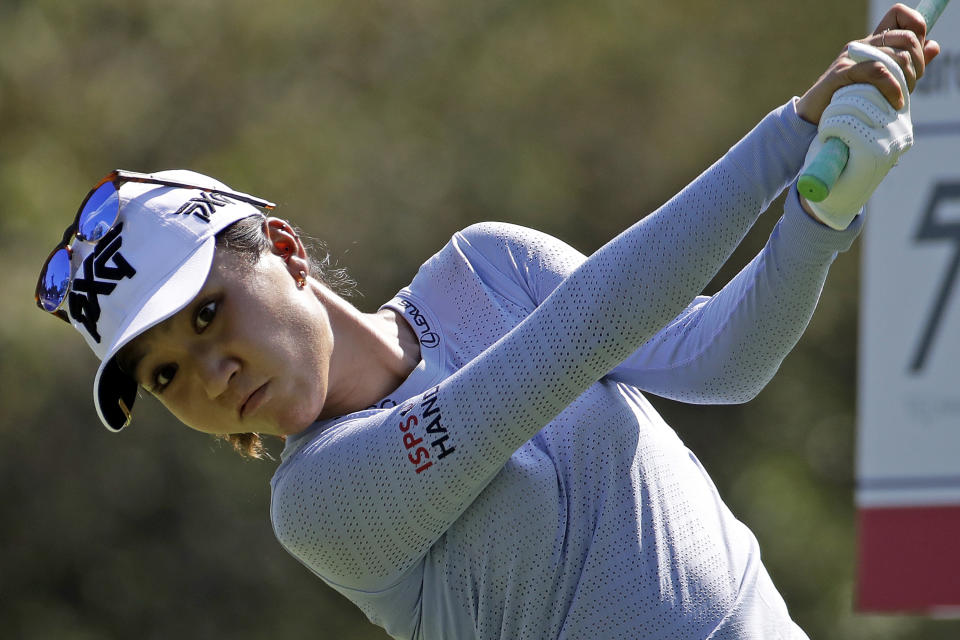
(254,401)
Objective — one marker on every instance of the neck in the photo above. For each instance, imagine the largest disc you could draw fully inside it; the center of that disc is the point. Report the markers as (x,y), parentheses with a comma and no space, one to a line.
(373,353)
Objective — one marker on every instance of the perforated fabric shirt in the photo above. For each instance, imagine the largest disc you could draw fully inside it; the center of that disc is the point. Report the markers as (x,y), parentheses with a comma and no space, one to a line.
(518,485)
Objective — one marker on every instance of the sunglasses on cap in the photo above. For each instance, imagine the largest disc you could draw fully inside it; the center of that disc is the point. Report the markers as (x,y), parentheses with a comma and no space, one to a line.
(97,215)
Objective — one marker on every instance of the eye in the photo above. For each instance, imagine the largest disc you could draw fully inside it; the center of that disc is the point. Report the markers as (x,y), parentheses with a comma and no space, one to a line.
(204,316)
(162,377)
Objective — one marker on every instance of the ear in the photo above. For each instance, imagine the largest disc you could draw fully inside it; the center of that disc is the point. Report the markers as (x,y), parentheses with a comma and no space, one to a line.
(285,243)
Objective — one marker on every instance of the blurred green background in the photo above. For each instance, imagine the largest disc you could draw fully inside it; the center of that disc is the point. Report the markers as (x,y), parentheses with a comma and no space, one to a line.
(381,128)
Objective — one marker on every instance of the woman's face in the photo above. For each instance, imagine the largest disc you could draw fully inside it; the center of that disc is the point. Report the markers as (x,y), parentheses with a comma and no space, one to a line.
(250,353)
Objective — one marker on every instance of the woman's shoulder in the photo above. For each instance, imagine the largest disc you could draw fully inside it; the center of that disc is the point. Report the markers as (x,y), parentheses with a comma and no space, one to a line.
(475,251)
(512,261)
(495,233)
(502,246)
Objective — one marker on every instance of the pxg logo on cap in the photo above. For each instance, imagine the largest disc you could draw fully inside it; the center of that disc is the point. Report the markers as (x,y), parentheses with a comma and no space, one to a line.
(98,276)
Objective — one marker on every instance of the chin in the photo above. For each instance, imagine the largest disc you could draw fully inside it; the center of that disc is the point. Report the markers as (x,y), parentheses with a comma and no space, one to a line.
(292,425)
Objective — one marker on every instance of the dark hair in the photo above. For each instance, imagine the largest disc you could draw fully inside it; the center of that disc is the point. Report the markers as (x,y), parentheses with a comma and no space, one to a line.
(246,238)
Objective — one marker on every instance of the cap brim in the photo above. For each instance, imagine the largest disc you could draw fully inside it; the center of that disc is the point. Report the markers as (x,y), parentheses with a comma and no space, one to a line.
(115,391)
(114,395)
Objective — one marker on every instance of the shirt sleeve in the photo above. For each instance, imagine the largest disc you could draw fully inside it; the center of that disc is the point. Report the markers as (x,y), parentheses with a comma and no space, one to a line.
(726,348)
(365,500)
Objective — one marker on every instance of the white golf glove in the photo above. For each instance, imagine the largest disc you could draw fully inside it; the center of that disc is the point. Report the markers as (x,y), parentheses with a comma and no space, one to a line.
(876,133)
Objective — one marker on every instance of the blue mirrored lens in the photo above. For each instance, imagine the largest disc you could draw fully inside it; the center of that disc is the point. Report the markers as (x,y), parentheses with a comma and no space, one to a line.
(55,280)
(99,213)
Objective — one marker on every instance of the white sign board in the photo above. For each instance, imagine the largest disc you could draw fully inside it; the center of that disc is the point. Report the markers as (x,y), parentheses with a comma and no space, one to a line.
(908,409)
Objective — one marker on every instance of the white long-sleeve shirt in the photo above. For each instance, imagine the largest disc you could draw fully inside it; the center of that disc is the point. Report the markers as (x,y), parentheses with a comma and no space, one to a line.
(518,484)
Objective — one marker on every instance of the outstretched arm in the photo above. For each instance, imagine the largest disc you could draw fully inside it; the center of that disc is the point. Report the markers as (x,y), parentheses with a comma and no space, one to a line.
(363,501)
(725,348)
(360,505)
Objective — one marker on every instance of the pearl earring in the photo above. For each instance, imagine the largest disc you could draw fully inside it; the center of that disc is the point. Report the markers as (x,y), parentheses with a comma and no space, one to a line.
(302,280)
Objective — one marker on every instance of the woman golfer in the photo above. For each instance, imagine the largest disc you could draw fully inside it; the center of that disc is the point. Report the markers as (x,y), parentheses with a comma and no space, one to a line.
(476,459)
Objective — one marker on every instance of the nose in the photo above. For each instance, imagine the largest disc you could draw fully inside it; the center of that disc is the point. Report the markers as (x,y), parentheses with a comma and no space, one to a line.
(214,369)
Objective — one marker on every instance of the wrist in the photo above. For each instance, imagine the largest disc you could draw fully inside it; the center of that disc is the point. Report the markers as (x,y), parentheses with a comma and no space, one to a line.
(810,239)
(805,111)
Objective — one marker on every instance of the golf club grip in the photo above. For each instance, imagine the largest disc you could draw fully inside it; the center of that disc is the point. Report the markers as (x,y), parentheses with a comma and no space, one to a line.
(817,181)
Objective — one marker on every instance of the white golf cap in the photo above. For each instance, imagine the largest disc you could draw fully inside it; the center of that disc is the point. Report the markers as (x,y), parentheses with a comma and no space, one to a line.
(150,265)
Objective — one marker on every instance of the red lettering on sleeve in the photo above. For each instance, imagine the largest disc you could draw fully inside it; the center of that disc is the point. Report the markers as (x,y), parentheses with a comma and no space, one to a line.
(419,455)
(411,422)
(424,467)
(410,440)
